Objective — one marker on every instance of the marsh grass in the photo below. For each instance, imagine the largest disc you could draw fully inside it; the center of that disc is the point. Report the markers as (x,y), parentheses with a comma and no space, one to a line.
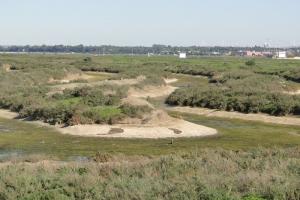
(238,134)
(200,173)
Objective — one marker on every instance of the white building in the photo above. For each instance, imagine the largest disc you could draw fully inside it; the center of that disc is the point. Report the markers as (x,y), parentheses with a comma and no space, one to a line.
(182,55)
(282,54)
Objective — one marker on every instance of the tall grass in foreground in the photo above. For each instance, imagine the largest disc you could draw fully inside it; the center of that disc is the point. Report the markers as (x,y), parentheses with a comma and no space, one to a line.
(198,174)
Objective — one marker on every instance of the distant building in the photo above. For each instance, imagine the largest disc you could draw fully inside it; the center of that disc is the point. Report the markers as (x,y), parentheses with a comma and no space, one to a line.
(182,55)
(254,53)
(281,54)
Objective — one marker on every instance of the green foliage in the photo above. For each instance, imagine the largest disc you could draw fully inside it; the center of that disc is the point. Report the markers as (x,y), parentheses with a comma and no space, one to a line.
(87,59)
(100,115)
(196,174)
(135,111)
(240,90)
(252,197)
(250,63)
(82,170)
(102,157)
(78,81)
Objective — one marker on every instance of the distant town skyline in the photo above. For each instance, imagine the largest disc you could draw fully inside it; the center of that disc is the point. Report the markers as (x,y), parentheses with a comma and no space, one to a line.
(144,23)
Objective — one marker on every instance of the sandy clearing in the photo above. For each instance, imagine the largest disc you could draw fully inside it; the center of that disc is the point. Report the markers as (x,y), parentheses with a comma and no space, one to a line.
(8,114)
(254,117)
(152,91)
(6,67)
(296,92)
(171,80)
(187,129)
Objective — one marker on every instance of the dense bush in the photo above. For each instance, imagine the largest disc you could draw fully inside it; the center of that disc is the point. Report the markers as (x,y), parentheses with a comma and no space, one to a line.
(248,100)
(240,90)
(135,111)
(78,105)
(250,62)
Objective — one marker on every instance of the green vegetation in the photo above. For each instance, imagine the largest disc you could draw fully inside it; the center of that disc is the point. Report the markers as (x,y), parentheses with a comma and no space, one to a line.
(250,62)
(240,89)
(195,174)
(25,90)
(245,160)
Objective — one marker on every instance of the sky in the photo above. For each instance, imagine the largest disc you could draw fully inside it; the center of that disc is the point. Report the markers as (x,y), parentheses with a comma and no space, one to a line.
(145,22)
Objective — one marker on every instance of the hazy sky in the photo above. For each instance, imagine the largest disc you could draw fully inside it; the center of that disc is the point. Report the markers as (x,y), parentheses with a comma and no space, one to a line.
(145,22)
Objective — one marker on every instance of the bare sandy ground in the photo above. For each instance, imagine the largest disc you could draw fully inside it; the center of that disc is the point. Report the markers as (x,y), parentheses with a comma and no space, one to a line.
(296,92)
(8,114)
(152,91)
(174,130)
(6,67)
(295,120)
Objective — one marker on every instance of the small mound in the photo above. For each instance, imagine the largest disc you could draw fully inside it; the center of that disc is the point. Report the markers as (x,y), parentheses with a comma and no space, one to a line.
(136,101)
(115,131)
(152,91)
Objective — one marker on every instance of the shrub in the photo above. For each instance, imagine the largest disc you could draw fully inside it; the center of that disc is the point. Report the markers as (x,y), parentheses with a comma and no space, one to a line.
(252,197)
(135,111)
(250,62)
(102,157)
(87,59)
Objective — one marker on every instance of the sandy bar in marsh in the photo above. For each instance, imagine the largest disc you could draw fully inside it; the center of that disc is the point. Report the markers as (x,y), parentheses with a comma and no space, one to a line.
(167,128)
(180,129)
(155,125)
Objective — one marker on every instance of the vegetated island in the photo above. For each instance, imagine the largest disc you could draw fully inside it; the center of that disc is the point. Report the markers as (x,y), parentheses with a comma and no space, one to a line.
(114,107)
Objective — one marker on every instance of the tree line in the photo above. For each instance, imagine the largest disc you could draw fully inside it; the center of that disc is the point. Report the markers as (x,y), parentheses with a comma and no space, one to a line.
(138,50)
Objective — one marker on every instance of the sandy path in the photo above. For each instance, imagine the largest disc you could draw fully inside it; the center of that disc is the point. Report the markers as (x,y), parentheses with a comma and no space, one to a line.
(296,92)
(254,117)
